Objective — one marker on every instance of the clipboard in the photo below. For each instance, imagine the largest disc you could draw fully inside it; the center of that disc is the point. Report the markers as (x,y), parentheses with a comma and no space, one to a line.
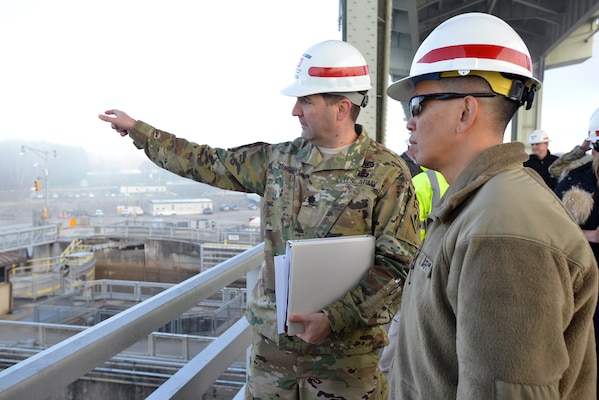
(320,272)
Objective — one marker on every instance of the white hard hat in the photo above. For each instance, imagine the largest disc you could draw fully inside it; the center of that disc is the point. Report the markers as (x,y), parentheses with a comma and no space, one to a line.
(477,44)
(334,67)
(538,136)
(594,127)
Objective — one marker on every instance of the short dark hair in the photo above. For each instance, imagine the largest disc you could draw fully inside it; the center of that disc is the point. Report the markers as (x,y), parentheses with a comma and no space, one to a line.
(505,109)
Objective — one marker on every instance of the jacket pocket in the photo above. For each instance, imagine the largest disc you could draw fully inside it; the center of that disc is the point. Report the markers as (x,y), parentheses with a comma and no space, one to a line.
(517,391)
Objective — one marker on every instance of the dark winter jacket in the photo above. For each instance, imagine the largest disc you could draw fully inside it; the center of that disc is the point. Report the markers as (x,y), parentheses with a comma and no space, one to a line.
(542,167)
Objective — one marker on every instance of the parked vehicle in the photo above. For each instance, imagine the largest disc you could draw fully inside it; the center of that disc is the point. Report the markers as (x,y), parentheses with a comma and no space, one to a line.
(224,207)
(163,213)
(126,211)
(98,213)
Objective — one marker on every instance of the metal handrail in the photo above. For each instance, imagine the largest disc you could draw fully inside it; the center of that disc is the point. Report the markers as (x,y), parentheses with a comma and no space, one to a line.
(33,337)
(48,372)
(20,237)
(198,374)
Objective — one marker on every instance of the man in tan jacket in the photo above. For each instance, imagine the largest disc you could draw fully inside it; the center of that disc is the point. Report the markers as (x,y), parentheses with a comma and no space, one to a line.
(499,301)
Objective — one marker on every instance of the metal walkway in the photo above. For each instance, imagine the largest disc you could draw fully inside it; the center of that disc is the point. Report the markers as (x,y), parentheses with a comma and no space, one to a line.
(22,236)
(54,275)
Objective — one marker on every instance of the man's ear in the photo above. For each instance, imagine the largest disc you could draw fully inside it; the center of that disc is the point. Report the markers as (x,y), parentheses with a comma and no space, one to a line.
(344,107)
(470,110)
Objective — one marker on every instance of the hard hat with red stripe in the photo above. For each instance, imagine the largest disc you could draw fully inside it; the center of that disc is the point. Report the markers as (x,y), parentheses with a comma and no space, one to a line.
(538,136)
(334,67)
(473,44)
(594,127)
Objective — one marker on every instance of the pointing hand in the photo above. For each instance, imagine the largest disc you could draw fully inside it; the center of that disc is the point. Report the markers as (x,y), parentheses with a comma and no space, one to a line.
(121,122)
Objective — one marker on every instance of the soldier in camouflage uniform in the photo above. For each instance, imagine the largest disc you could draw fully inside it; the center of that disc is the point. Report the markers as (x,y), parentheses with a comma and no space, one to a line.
(573,159)
(332,181)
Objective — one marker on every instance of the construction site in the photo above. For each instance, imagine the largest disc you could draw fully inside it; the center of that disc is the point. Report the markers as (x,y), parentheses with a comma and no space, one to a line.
(57,286)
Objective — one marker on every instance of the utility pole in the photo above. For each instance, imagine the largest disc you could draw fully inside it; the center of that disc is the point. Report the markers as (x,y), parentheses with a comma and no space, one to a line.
(44,155)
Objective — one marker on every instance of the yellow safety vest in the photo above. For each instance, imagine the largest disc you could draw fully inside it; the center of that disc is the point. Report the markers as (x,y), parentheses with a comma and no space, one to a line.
(430,187)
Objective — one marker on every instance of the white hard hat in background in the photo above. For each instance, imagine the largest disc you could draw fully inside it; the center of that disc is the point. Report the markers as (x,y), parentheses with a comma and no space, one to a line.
(594,127)
(538,136)
(334,67)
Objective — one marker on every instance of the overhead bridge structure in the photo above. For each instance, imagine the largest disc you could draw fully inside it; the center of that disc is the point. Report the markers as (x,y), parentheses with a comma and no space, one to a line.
(557,33)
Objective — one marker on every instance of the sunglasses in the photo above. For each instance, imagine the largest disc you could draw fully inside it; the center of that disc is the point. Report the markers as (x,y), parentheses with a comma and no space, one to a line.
(416,101)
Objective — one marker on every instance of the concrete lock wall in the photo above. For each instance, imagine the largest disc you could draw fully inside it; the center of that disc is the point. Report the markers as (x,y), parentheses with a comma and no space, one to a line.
(150,261)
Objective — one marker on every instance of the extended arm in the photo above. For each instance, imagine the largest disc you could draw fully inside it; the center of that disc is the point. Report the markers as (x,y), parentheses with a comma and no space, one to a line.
(240,169)
(563,163)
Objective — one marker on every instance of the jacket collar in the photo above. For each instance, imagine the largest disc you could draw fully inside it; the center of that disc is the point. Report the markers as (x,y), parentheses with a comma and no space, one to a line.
(487,164)
(352,159)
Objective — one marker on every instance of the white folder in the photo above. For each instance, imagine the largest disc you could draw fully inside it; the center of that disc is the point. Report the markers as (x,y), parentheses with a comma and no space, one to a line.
(320,272)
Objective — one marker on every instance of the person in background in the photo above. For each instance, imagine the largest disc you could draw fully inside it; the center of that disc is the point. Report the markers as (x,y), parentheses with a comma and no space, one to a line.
(332,181)
(541,158)
(408,157)
(499,301)
(578,155)
(579,191)
(430,186)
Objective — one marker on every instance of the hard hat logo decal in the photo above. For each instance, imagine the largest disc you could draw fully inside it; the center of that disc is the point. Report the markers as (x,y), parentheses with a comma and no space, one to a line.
(338,72)
(485,51)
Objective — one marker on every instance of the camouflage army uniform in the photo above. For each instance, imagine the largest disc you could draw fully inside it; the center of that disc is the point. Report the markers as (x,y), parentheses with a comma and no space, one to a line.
(366,190)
